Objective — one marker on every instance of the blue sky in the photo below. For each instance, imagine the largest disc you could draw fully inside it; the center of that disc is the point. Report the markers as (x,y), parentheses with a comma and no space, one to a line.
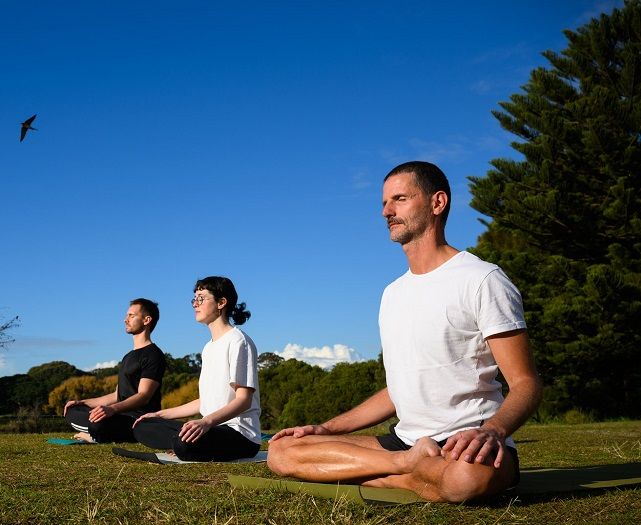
(180,140)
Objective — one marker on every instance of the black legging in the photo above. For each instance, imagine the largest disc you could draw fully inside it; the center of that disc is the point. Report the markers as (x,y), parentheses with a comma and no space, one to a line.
(219,443)
(116,428)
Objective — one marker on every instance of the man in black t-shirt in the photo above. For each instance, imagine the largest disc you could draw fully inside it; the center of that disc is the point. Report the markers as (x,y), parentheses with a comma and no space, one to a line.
(110,417)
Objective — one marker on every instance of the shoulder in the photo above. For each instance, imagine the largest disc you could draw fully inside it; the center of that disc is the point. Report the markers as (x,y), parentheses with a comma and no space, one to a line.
(152,352)
(152,348)
(469,264)
(396,283)
(238,337)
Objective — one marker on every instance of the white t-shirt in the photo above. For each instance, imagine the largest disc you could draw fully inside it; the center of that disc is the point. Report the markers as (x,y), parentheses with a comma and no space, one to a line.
(231,361)
(441,375)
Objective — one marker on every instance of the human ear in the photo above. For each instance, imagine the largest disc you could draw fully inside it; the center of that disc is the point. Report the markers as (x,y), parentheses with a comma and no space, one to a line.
(439,202)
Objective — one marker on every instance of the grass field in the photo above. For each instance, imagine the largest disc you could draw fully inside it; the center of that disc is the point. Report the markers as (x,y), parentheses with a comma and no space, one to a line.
(42,483)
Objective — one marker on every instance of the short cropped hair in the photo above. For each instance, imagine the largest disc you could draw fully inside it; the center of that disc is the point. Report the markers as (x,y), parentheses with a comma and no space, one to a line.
(429,178)
(150,308)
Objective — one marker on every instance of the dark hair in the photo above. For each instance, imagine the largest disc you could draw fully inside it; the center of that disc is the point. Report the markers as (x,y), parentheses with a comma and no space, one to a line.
(222,287)
(149,308)
(429,178)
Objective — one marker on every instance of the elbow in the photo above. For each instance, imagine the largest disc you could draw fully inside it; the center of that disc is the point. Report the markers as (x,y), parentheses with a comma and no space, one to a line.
(246,404)
(536,389)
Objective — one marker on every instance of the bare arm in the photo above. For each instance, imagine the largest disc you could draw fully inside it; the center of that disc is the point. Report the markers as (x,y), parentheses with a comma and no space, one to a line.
(192,430)
(107,399)
(187,410)
(146,389)
(372,411)
(514,357)
(512,353)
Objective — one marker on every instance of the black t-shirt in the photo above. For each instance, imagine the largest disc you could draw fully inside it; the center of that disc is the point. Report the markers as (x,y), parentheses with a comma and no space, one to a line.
(148,362)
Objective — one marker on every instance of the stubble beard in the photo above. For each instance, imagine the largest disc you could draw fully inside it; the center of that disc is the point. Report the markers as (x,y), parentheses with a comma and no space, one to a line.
(401,237)
(407,234)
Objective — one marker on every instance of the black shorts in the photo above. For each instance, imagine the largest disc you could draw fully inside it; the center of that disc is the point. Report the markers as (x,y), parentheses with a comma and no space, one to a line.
(393,443)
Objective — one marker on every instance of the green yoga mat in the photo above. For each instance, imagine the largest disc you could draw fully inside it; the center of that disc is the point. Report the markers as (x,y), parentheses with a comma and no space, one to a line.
(162,458)
(533,481)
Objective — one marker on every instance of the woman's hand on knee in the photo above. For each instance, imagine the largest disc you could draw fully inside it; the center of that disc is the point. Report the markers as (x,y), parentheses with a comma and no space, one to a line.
(193,430)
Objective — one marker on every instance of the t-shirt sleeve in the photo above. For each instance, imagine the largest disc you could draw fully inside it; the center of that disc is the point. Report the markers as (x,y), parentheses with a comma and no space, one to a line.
(242,364)
(499,305)
(153,366)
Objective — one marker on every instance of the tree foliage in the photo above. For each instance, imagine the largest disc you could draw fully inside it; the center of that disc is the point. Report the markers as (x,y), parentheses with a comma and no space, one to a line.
(80,387)
(295,393)
(566,223)
(339,390)
(181,395)
(180,371)
(31,390)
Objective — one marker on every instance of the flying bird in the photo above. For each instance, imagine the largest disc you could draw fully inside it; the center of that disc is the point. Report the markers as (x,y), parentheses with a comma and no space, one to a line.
(26,126)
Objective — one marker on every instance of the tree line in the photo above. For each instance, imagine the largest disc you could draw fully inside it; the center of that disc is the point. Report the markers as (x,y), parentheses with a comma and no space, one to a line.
(292,392)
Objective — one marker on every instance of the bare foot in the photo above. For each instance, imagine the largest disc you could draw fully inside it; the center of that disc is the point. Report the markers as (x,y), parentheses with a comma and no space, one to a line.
(424,447)
(84,436)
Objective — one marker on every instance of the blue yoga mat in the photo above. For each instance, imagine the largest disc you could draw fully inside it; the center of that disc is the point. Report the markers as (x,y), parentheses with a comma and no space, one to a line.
(63,441)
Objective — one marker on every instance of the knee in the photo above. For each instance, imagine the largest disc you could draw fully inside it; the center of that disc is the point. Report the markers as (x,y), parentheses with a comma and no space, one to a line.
(180,448)
(98,432)
(463,481)
(279,456)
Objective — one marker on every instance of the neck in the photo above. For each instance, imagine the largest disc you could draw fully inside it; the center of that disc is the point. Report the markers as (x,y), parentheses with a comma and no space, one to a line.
(142,339)
(428,252)
(219,327)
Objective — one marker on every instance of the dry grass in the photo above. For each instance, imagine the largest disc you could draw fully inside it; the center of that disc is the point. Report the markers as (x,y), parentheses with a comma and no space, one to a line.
(48,484)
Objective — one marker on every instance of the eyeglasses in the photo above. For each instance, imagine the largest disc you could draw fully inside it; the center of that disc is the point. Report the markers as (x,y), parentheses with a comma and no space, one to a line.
(199,300)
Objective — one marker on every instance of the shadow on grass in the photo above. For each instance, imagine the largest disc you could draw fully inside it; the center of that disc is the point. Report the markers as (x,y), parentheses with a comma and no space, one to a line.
(540,484)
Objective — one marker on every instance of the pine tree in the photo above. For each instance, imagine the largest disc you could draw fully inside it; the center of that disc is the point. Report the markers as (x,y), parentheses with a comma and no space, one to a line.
(566,222)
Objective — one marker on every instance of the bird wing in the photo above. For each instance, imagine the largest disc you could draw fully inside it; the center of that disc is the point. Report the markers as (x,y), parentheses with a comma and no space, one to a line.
(25,126)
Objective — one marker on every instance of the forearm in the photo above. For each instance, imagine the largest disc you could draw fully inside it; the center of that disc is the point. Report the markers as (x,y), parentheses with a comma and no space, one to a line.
(138,400)
(187,410)
(520,403)
(372,411)
(107,399)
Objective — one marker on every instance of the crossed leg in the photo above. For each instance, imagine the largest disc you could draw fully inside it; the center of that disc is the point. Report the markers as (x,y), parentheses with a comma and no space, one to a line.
(361,459)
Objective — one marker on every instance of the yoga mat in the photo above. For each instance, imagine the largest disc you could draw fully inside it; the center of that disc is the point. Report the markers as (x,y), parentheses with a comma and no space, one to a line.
(62,441)
(355,493)
(162,458)
(533,481)
(568,479)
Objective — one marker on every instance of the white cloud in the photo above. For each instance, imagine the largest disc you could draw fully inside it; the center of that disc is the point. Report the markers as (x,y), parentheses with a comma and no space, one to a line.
(3,362)
(438,151)
(104,364)
(325,357)
(482,87)
(502,54)
(361,180)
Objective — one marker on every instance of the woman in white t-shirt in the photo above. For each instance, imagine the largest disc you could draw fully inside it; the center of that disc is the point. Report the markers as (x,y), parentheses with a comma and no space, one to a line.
(229,399)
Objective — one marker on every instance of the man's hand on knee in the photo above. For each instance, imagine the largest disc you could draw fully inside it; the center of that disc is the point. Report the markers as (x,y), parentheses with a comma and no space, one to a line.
(298,432)
(476,445)
(100,412)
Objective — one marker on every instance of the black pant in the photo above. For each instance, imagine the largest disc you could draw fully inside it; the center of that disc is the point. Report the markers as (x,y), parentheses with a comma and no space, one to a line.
(116,428)
(219,443)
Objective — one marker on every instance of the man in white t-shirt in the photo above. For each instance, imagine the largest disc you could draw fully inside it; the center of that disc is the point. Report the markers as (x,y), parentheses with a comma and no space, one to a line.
(447,326)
